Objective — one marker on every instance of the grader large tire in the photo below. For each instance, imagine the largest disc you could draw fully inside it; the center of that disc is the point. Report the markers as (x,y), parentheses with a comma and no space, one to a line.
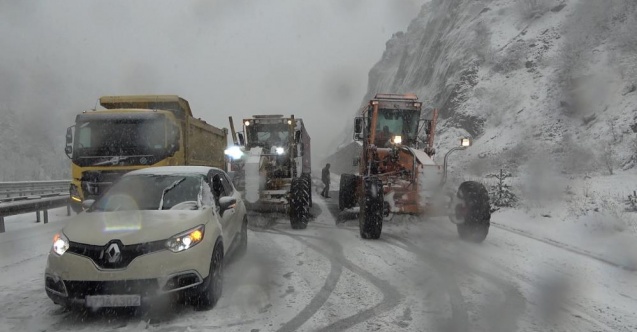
(347,192)
(308,178)
(370,219)
(471,211)
(299,203)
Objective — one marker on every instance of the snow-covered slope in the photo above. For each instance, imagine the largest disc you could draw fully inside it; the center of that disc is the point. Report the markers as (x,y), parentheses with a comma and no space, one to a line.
(27,151)
(525,78)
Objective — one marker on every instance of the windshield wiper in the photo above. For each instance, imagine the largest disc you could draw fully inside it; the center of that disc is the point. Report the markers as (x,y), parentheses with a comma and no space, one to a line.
(113,161)
(167,189)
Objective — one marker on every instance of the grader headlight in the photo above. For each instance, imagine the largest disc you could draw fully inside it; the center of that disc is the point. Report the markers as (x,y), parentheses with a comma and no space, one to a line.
(397,139)
(465,142)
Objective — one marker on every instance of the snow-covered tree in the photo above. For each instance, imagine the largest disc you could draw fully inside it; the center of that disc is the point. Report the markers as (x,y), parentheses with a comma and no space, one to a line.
(500,193)
(631,202)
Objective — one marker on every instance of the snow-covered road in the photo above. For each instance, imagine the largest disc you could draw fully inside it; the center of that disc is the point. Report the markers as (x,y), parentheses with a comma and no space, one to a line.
(417,277)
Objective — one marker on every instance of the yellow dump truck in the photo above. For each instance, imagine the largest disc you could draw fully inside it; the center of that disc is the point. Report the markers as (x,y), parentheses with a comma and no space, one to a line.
(134,132)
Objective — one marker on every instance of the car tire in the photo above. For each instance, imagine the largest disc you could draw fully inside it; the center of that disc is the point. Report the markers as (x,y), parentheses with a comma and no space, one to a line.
(212,292)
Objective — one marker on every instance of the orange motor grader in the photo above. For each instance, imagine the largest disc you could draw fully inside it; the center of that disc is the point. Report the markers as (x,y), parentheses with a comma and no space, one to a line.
(398,175)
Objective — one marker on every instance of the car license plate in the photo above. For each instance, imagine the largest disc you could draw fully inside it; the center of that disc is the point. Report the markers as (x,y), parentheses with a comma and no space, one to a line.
(97,301)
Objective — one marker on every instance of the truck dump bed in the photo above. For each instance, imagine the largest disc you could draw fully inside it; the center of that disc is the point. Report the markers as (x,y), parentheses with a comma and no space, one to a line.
(203,143)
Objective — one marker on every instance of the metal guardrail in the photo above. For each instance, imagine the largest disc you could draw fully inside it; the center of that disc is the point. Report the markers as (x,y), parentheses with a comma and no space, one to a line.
(26,188)
(32,196)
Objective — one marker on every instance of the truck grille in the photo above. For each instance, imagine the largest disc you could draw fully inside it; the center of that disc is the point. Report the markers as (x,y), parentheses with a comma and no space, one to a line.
(95,183)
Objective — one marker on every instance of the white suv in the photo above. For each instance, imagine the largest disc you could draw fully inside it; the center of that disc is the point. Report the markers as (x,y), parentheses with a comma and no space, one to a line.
(156,232)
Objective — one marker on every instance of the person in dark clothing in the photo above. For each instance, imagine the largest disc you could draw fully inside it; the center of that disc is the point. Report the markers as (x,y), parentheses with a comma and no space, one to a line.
(325,176)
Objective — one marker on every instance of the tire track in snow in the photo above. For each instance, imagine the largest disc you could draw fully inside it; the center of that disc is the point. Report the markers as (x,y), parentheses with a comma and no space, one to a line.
(459,315)
(324,293)
(563,246)
(391,295)
(512,295)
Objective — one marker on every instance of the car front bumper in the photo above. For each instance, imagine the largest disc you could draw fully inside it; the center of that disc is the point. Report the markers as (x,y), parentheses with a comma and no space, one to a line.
(70,278)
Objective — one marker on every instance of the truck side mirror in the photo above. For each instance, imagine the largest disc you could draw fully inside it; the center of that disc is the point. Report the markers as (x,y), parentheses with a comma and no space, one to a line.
(297,136)
(68,150)
(358,129)
(69,135)
(241,139)
(173,138)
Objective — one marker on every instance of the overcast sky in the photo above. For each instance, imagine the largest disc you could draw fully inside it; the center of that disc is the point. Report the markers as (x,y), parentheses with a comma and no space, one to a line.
(234,57)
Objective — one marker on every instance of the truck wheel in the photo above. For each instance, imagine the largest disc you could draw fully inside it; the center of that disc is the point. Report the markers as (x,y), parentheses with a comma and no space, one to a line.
(212,292)
(308,178)
(471,211)
(347,192)
(299,204)
(76,207)
(371,214)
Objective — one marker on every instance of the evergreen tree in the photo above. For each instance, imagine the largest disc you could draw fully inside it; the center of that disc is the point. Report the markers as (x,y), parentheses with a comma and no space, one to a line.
(500,193)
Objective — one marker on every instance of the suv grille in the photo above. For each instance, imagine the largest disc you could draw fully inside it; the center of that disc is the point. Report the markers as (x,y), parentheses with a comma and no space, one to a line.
(105,259)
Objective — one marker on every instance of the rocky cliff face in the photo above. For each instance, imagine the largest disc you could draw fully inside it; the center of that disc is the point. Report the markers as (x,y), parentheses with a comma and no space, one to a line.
(529,80)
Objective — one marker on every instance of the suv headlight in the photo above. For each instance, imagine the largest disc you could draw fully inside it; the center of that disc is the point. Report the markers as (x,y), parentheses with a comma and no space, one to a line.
(60,244)
(186,240)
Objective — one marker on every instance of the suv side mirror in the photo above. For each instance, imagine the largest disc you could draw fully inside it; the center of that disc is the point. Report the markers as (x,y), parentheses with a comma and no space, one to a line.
(358,129)
(226,203)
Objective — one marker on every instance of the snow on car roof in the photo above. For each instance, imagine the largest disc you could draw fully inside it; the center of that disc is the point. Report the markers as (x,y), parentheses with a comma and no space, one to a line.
(168,170)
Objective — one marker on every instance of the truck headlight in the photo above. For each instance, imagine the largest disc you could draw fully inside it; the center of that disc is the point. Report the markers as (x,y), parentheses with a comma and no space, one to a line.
(75,194)
(234,152)
(279,150)
(186,240)
(60,244)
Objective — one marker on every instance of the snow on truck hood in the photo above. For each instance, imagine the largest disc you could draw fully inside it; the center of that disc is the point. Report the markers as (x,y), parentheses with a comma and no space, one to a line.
(132,227)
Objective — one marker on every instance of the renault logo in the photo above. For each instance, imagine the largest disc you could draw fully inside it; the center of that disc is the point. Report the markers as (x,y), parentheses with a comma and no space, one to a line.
(113,254)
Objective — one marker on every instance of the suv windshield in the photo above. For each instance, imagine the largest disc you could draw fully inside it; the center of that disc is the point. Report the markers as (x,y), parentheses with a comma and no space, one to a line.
(150,192)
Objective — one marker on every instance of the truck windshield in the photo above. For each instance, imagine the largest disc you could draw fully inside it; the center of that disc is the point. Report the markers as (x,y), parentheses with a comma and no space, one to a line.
(152,192)
(120,137)
(393,122)
(268,135)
